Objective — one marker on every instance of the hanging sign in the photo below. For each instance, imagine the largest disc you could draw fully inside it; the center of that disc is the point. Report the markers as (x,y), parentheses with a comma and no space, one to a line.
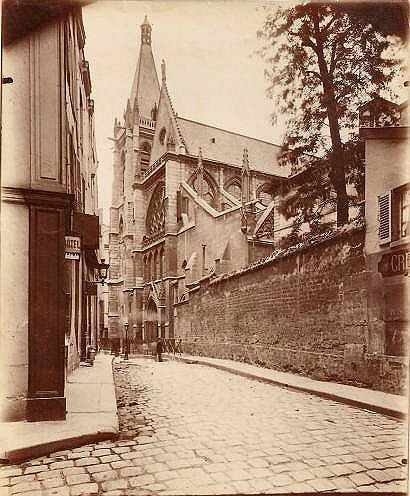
(72,247)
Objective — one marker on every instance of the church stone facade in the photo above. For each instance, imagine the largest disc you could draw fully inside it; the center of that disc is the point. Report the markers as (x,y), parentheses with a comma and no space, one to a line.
(188,200)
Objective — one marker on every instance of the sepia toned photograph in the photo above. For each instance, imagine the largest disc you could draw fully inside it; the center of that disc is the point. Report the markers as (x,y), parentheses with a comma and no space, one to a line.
(205,247)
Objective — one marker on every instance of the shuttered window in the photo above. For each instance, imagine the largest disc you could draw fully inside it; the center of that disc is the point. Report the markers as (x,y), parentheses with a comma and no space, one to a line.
(384,218)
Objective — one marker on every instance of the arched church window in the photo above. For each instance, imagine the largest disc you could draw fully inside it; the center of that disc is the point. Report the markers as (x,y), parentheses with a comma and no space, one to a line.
(235,190)
(161,263)
(162,134)
(154,112)
(155,266)
(149,268)
(265,195)
(123,172)
(145,272)
(155,222)
(208,192)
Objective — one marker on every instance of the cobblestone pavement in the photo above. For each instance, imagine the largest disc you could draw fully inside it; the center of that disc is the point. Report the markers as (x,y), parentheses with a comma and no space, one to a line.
(189,429)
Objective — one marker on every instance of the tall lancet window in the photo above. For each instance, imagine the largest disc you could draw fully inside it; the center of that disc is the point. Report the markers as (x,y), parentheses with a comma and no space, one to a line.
(154,112)
(122,173)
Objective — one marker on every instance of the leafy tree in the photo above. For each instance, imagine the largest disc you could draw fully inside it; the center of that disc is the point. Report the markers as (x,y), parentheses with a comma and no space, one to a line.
(324,61)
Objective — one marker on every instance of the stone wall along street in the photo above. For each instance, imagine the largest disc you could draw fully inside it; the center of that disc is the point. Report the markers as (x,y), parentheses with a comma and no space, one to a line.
(305,312)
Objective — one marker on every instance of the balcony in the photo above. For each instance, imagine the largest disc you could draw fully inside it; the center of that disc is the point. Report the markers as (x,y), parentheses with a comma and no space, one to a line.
(150,124)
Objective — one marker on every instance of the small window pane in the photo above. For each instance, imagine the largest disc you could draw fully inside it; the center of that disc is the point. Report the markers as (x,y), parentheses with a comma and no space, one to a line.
(405,214)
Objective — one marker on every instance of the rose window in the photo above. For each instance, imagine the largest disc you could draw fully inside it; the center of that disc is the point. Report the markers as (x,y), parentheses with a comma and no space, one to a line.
(156,212)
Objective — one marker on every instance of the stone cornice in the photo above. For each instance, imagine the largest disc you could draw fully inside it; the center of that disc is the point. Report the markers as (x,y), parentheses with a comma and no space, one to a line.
(399,132)
(11,194)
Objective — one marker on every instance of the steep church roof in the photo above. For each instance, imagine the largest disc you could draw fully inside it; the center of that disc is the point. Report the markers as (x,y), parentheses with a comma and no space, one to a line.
(145,87)
(226,146)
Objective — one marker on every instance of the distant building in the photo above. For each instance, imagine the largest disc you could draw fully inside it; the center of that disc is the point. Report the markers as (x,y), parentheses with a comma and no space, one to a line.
(50,230)
(188,200)
(387,246)
(103,341)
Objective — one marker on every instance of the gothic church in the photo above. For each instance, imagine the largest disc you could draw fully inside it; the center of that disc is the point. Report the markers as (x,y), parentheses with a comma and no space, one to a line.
(189,200)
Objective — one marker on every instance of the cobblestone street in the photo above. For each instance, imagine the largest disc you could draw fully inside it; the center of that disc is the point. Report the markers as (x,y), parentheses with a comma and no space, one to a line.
(189,429)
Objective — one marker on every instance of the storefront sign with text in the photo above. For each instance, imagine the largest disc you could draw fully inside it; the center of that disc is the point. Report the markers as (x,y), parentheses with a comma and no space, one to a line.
(395,263)
(72,247)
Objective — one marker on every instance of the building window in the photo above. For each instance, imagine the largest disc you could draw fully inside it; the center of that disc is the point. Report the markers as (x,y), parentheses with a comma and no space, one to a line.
(155,266)
(154,112)
(185,205)
(149,267)
(162,136)
(123,172)
(235,190)
(265,197)
(394,214)
(208,191)
(404,218)
(161,263)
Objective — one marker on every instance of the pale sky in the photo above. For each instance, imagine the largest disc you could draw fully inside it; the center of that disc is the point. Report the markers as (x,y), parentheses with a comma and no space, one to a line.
(213,73)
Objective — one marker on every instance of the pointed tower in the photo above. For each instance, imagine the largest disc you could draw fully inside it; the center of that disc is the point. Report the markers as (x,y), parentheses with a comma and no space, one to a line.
(145,86)
(132,150)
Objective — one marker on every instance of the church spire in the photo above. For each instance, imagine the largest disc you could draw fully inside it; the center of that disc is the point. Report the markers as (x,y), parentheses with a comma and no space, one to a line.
(145,88)
(146,32)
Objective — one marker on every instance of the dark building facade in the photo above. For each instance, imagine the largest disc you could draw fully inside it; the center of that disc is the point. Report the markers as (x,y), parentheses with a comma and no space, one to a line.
(50,231)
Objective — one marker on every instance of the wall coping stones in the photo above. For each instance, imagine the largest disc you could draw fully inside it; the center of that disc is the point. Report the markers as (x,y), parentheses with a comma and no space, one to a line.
(281,253)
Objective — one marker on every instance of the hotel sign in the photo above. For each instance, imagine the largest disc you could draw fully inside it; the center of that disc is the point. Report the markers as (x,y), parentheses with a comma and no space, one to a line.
(72,247)
(395,263)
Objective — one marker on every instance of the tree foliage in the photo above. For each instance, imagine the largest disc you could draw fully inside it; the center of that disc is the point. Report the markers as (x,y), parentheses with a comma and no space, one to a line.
(324,60)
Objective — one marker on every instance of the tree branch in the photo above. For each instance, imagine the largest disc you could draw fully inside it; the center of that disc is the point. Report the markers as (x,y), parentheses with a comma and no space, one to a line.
(326,28)
(314,73)
(333,58)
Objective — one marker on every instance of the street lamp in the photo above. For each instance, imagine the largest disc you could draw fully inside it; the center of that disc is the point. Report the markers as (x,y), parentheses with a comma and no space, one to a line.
(126,341)
(102,271)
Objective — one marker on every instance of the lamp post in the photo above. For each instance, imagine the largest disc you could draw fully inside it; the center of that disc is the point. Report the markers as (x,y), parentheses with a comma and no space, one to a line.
(126,341)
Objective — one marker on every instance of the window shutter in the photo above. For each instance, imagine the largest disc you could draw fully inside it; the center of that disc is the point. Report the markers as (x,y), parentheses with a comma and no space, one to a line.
(384,218)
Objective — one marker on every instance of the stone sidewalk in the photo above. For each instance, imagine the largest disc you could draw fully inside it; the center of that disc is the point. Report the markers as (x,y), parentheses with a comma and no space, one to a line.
(387,404)
(91,417)
(92,409)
